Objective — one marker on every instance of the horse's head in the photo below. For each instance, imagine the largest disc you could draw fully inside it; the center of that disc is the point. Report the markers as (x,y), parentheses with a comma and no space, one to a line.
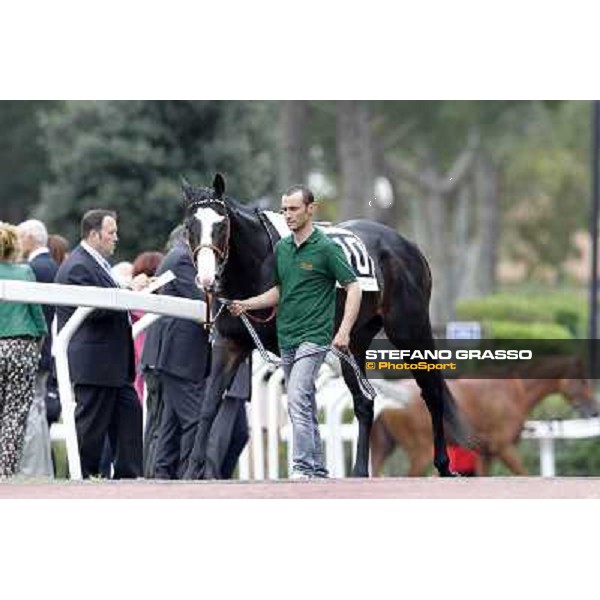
(578,390)
(208,229)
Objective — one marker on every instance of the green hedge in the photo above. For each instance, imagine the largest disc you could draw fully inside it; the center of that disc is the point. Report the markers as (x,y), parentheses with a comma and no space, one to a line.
(525,331)
(565,309)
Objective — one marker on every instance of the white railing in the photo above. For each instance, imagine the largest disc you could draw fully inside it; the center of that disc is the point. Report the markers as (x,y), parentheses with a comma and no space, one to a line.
(266,412)
(548,431)
(87,299)
(333,398)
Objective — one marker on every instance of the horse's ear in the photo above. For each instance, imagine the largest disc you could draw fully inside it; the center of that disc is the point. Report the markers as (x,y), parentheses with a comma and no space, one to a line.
(187,189)
(219,185)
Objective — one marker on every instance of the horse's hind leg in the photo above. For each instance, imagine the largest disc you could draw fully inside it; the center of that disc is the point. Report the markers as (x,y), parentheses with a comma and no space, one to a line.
(419,463)
(432,390)
(382,446)
(509,455)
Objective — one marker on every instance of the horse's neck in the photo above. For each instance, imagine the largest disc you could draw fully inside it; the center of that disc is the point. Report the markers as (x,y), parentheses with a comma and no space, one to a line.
(249,248)
(535,390)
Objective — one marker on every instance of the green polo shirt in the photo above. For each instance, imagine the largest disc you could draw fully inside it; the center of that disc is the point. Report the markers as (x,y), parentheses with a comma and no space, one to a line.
(17,318)
(306,277)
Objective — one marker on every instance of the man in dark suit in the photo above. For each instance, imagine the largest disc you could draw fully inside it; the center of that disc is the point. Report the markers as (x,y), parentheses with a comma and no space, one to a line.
(153,398)
(177,361)
(101,358)
(179,351)
(36,459)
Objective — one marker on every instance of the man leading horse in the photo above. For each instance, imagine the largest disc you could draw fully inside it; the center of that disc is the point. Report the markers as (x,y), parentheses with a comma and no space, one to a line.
(307,266)
(233,248)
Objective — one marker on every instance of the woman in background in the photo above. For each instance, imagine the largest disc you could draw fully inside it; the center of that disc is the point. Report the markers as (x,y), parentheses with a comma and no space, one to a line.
(59,248)
(22,329)
(145,263)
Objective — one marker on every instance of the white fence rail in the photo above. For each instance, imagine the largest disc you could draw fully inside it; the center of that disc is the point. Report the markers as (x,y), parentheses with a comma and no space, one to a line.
(267,411)
(339,436)
(88,298)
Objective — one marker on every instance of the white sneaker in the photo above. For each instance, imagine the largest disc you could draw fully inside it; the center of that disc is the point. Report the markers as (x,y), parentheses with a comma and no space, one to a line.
(299,475)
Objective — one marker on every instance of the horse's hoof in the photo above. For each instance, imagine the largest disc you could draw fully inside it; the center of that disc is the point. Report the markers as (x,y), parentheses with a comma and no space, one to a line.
(448,473)
(360,473)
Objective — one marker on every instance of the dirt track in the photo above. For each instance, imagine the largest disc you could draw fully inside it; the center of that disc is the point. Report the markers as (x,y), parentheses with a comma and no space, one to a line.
(402,488)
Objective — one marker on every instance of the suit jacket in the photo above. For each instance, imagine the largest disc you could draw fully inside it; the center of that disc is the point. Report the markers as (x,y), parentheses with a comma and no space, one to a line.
(178,346)
(45,268)
(101,351)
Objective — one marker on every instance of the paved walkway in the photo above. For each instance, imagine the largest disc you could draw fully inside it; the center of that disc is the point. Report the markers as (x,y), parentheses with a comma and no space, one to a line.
(403,488)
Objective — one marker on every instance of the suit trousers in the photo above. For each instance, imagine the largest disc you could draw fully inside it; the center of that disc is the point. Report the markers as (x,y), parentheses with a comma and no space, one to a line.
(182,399)
(154,410)
(115,411)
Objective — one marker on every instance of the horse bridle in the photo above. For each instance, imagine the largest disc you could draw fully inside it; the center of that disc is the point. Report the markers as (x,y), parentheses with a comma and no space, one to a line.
(222,253)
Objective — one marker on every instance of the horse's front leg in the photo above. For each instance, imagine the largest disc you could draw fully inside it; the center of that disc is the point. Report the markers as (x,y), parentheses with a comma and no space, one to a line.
(226,358)
(432,391)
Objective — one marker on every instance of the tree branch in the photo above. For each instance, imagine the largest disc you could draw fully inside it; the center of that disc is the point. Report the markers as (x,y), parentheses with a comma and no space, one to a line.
(461,166)
(393,139)
(403,170)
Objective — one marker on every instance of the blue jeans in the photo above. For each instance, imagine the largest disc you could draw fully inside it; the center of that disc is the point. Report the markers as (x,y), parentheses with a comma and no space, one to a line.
(300,379)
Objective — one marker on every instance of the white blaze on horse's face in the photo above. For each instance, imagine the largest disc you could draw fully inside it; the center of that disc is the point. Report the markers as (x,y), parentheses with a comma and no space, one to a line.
(206,261)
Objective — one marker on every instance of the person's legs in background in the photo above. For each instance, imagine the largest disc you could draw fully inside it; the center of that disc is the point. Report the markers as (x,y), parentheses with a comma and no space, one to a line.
(168,445)
(93,414)
(18,365)
(126,429)
(36,457)
(154,410)
(183,398)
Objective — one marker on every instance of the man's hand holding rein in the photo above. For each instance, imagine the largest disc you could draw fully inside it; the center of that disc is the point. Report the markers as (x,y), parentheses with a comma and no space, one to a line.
(265,300)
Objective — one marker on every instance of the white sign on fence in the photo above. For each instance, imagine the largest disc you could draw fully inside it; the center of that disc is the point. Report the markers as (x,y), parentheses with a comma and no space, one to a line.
(463,330)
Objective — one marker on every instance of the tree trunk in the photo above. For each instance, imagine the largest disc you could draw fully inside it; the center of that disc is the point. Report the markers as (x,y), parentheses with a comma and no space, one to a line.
(355,158)
(440,258)
(393,216)
(464,250)
(488,223)
(294,165)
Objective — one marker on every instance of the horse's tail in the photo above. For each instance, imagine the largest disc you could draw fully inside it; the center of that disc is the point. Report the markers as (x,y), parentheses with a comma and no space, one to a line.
(459,430)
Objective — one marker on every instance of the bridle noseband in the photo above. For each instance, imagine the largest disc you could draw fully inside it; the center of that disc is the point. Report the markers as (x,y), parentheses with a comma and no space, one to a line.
(222,253)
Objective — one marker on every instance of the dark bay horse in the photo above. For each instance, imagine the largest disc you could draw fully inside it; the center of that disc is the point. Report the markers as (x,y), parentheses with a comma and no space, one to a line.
(495,408)
(233,250)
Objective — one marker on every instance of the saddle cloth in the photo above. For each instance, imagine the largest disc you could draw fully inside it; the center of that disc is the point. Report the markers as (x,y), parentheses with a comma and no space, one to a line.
(353,247)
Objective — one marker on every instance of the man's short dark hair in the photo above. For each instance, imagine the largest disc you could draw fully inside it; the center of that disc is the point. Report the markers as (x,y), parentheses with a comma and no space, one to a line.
(92,220)
(307,195)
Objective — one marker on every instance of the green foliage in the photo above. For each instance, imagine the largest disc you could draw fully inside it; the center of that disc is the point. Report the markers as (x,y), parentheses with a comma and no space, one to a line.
(566,310)
(129,157)
(546,186)
(578,457)
(23,164)
(513,330)
(61,463)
